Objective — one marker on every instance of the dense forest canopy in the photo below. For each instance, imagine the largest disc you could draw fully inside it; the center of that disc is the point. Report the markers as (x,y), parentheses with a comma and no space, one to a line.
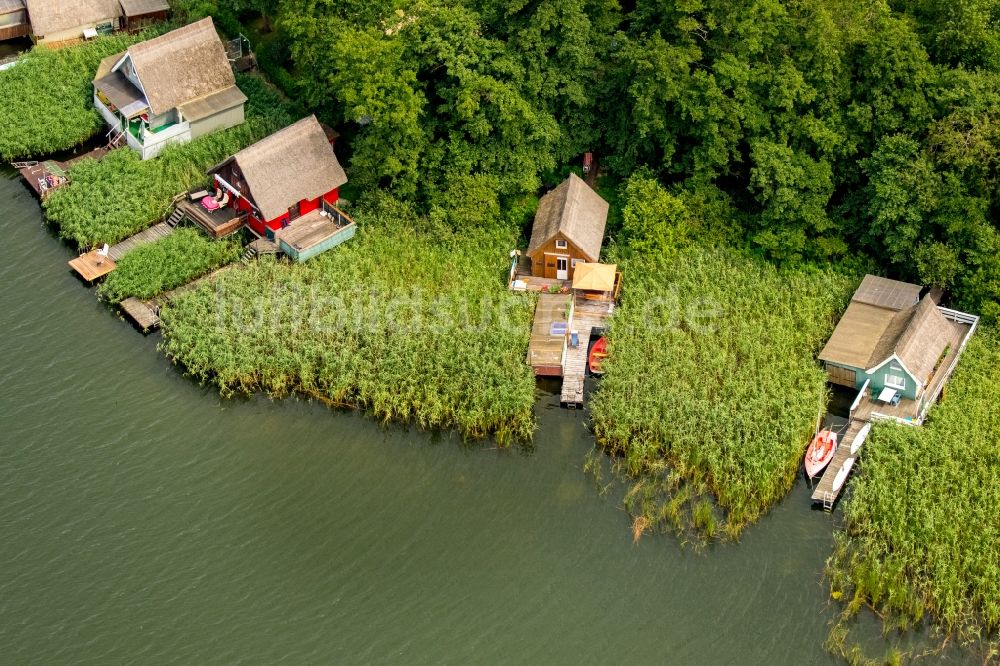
(807,130)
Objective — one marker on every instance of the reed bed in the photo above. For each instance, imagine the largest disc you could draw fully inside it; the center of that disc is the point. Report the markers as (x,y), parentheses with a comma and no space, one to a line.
(711,388)
(121,195)
(408,320)
(177,259)
(921,532)
(46,99)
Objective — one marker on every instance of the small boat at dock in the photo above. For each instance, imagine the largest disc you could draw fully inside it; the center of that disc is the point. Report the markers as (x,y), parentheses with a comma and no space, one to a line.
(598,352)
(820,452)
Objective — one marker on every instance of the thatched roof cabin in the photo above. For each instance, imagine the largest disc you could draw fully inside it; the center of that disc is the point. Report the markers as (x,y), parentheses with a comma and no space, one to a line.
(568,229)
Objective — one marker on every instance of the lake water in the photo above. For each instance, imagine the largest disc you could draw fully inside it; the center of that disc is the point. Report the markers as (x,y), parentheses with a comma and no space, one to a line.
(144,519)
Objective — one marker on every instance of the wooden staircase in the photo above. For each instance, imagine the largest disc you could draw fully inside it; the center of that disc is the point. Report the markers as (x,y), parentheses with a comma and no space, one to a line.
(175,218)
(249,254)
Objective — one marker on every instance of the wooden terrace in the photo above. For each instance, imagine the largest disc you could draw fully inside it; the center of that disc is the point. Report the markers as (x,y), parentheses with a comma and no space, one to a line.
(549,330)
(521,279)
(49,175)
(315,232)
(217,223)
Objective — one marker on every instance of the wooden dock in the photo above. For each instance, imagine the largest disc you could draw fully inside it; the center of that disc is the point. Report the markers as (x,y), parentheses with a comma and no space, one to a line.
(144,314)
(825,493)
(91,266)
(586,315)
(151,235)
(49,175)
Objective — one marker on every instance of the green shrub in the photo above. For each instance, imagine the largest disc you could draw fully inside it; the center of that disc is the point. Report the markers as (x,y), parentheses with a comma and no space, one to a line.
(177,259)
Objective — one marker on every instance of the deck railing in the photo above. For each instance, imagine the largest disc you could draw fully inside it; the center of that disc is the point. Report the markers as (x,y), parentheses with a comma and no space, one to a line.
(340,217)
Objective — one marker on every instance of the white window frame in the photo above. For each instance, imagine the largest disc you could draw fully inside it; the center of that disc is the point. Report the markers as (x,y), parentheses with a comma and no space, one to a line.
(562,244)
(890,380)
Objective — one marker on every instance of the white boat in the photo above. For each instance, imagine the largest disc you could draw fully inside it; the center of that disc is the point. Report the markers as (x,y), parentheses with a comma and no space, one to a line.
(845,469)
(860,438)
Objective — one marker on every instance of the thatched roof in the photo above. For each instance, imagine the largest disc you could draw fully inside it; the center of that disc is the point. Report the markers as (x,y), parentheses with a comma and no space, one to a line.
(51,16)
(868,336)
(575,211)
(140,7)
(594,277)
(886,293)
(293,164)
(181,66)
(107,64)
(924,339)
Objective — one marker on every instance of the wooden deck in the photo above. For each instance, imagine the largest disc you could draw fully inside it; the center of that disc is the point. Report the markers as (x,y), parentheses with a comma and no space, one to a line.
(217,223)
(545,349)
(91,266)
(587,314)
(49,175)
(151,235)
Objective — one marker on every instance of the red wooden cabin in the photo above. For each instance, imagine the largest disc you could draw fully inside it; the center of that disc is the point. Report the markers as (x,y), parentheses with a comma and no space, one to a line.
(283,177)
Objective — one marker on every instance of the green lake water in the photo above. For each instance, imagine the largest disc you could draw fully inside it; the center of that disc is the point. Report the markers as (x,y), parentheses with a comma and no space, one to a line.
(146,520)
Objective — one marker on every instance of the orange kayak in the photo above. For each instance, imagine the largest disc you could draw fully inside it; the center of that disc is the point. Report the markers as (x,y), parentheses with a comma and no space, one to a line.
(820,452)
(597,355)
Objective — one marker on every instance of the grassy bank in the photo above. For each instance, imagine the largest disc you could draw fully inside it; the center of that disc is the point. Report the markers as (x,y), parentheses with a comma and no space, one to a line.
(921,533)
(46,100)
(177,259)
(409,320)
(112,199)
(711,388)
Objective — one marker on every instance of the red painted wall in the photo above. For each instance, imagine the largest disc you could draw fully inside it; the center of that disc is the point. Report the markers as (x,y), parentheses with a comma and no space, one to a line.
(261,227)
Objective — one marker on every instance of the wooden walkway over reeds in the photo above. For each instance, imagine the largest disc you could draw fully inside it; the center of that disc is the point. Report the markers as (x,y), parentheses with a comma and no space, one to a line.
(146,314)
(586,316)
(151,235)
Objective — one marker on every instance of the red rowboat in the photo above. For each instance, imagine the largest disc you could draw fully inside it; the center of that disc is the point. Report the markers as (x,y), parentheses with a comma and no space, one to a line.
(597,355)
(820,452)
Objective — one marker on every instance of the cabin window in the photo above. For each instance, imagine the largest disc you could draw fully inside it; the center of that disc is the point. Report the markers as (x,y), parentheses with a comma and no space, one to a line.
(561,244)
(574,262)
(895,381)
(294,211)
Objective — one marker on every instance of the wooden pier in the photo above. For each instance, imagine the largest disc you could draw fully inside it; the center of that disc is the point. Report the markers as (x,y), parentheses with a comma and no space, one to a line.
(91,266)
(151,235)
(829,486)
(49,175)
(586,316)
(145,314)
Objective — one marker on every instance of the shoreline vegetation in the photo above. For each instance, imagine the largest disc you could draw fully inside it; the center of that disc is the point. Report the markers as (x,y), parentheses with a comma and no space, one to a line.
(921,526)
(761,170)
(710,390)
(408,321)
